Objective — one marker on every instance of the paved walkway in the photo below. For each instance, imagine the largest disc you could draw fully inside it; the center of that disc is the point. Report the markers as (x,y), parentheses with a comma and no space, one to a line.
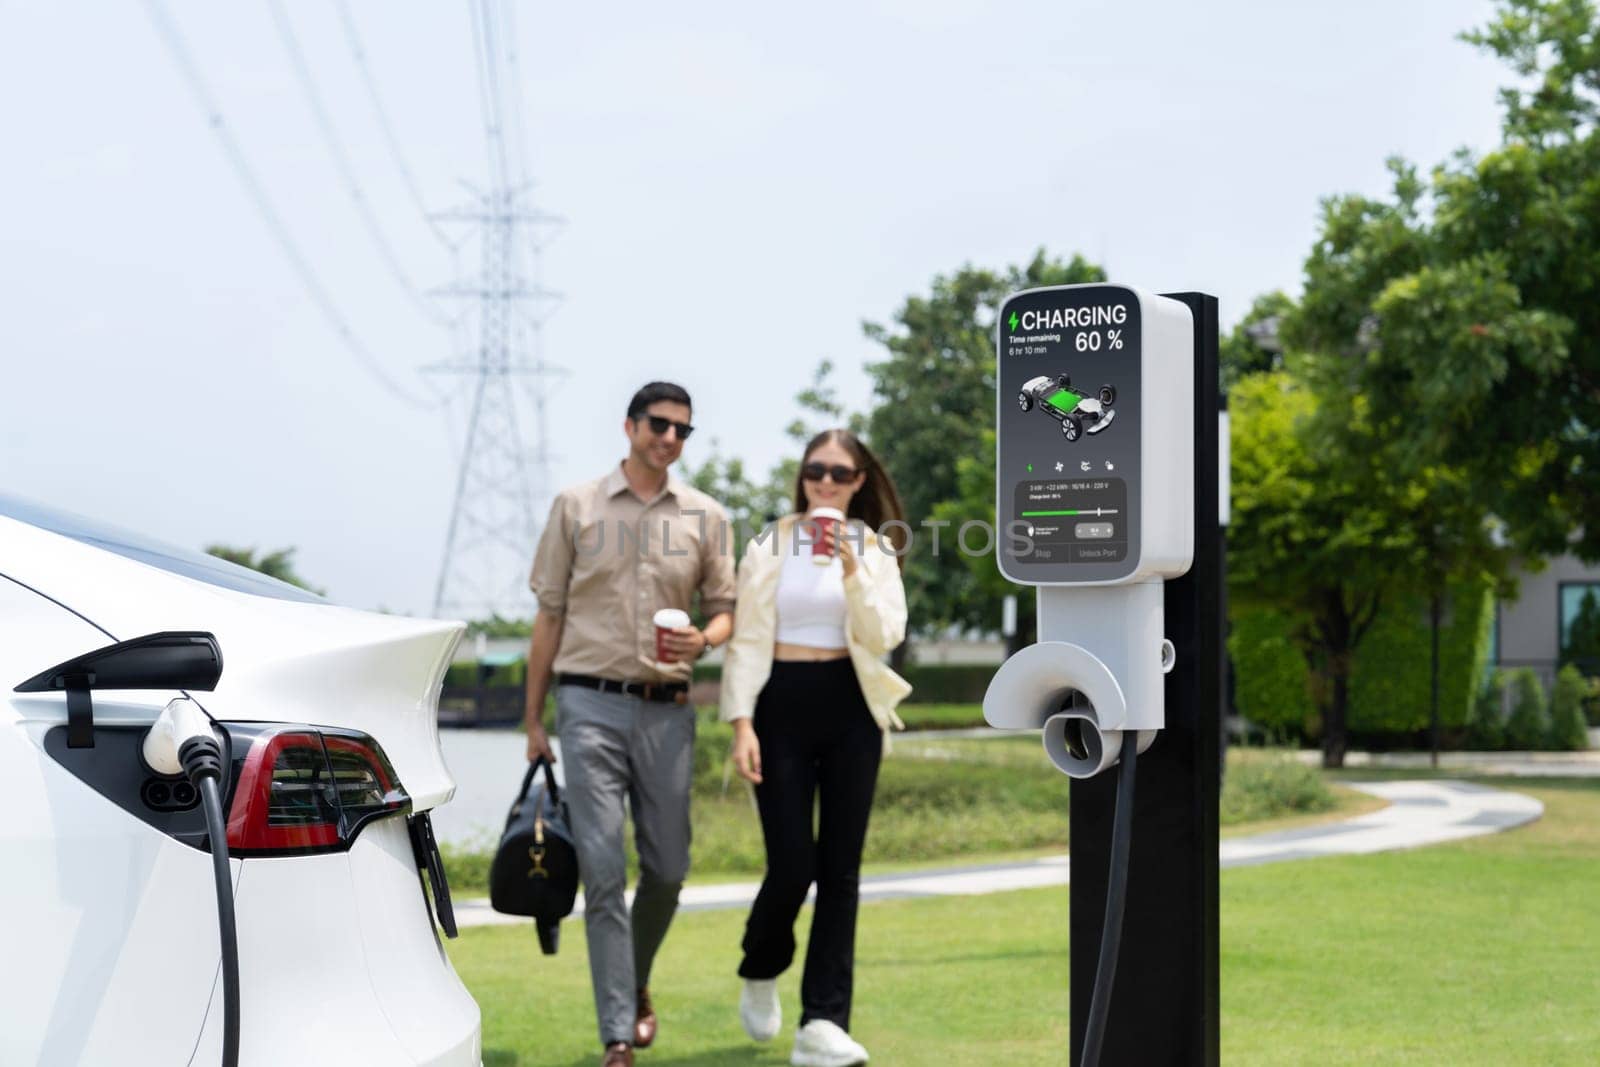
(1418,813)
(1490,764)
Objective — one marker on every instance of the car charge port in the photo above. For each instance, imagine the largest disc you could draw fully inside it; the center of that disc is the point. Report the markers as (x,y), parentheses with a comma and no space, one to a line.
(165,794)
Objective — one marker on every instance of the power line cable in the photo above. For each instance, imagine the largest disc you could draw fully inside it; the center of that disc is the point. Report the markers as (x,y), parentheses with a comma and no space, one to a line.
(341,158)
(397,156)
(183,59)
(519,139)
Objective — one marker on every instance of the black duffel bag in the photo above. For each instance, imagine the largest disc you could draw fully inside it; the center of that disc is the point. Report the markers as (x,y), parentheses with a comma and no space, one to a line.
(535,870)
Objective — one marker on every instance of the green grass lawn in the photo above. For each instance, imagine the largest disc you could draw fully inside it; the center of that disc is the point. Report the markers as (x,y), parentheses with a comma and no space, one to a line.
(940,802)
(1482,951)
(940,716)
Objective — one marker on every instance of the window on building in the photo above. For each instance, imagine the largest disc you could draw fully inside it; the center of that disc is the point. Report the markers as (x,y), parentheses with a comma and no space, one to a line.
(1580,625)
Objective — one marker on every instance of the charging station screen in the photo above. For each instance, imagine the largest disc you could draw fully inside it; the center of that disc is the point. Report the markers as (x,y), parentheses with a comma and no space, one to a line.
(1068,441)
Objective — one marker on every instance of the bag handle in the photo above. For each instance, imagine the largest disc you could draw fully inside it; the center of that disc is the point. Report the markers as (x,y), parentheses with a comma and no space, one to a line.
(549,780)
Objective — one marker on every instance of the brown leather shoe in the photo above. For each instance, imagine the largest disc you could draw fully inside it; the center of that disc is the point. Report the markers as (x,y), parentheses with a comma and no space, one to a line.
(618,1054)
(644,1022)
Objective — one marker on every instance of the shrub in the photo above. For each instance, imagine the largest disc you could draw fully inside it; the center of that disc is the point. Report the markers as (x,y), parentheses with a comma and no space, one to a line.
(1529,724)
(713,741)
(1486,730)
(1591,701)
(1267,788)
(1568,730)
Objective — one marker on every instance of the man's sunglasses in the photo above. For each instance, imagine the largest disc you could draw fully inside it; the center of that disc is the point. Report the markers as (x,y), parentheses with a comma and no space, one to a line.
(658,426)
(814,472)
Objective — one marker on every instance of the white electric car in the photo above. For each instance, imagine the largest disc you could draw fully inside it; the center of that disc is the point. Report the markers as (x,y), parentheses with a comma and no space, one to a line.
(109,913)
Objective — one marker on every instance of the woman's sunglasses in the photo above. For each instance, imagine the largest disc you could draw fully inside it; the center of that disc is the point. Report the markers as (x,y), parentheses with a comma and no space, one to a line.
(658,426)
(814,472)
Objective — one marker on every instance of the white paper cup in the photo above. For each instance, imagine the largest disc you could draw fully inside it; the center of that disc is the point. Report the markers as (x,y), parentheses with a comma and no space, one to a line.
(667,620)
(822,520)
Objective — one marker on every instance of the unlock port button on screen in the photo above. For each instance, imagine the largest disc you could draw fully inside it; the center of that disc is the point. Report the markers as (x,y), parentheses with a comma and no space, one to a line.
(1093,531)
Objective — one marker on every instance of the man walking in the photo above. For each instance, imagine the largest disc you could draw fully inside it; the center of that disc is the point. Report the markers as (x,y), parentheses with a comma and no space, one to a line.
(614,552)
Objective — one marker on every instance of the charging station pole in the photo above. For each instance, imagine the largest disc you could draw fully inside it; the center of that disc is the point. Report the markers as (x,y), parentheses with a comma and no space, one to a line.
(1165,1000)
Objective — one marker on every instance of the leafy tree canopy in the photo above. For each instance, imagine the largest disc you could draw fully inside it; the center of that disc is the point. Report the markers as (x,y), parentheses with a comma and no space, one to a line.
(1463,307)
(1328,536)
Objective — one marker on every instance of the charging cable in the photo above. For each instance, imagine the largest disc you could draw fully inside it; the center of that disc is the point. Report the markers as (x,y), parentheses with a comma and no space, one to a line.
(183,742)
(1116,897)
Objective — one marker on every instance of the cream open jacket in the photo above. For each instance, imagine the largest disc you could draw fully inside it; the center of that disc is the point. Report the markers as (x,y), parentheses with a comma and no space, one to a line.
(875,622)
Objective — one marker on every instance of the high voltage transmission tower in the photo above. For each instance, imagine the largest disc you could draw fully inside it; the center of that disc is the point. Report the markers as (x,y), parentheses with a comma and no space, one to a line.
(502,486)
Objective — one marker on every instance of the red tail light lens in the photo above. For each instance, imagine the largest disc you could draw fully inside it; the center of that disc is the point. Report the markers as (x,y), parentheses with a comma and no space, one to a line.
(300,789)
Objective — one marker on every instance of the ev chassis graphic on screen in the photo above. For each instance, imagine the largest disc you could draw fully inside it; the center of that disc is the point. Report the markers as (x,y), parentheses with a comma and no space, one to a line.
(1077,413)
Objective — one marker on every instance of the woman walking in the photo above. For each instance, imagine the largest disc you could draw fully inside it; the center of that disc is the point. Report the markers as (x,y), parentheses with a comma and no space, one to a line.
(819,605)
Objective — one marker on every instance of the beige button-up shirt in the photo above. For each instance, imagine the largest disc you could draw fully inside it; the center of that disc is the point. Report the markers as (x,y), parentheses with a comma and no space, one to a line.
(608,561)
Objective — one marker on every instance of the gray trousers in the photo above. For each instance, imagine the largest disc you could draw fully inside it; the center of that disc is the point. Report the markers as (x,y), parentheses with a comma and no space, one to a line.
(617,747)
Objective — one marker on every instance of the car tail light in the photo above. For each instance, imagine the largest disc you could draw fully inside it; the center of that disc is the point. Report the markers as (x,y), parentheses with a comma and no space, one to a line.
(299,789)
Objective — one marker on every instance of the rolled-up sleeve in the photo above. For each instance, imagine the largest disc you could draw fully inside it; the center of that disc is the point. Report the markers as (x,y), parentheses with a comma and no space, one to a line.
(552,560)
(875,600)
(717,582)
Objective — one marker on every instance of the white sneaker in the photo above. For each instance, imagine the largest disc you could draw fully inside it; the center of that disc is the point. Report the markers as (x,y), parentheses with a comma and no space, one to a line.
(820,1043)
(759,1009)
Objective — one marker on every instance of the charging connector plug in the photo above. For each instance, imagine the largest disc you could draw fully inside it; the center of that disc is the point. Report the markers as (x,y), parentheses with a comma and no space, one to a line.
(183,741)
(180,726)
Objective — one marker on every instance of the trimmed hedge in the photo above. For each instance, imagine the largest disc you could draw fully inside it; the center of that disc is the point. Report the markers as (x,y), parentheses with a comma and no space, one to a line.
(465,675)
(1390,681)
(1389,688)
(1271,683)
(932,683)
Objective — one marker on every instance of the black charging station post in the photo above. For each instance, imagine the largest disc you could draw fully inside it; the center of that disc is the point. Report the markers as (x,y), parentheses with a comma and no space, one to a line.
(1165,1001)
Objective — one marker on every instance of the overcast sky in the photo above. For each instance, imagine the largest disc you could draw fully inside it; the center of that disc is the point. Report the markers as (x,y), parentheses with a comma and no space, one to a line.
(743,185)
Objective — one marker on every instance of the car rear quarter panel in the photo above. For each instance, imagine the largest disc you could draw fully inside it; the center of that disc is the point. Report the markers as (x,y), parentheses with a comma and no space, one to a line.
(110,942)
(340,964)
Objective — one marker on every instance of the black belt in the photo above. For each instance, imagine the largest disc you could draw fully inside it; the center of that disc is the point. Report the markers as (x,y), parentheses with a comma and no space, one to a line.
(660,692)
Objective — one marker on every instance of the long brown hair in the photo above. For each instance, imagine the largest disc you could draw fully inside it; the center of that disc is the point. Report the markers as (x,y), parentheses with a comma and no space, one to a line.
(875,503)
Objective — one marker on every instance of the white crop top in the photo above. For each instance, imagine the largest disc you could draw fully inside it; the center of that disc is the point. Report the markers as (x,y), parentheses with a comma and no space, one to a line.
(811,603)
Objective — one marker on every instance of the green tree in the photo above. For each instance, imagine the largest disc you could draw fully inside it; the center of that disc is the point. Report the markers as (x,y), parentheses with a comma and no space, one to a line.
(1254,345)
(1318,535)
(278,564)
(935,400)
(1463,306)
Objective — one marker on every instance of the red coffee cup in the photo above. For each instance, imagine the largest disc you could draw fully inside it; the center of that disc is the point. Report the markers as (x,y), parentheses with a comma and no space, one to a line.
(823,520)
(667,620)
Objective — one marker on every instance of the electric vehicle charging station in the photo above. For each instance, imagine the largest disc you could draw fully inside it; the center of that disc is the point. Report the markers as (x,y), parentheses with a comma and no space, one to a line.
(1108,507)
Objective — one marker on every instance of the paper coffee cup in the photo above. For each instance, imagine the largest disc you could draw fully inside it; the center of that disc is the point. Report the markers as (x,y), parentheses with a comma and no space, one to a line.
(667,620)
(823,520)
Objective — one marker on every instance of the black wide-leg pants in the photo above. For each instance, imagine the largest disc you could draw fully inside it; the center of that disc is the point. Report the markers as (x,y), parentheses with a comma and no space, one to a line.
(820,750)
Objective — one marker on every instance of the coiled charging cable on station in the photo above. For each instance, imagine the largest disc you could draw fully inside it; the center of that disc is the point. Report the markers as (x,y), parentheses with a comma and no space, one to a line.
(182,741)
(1116,897)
